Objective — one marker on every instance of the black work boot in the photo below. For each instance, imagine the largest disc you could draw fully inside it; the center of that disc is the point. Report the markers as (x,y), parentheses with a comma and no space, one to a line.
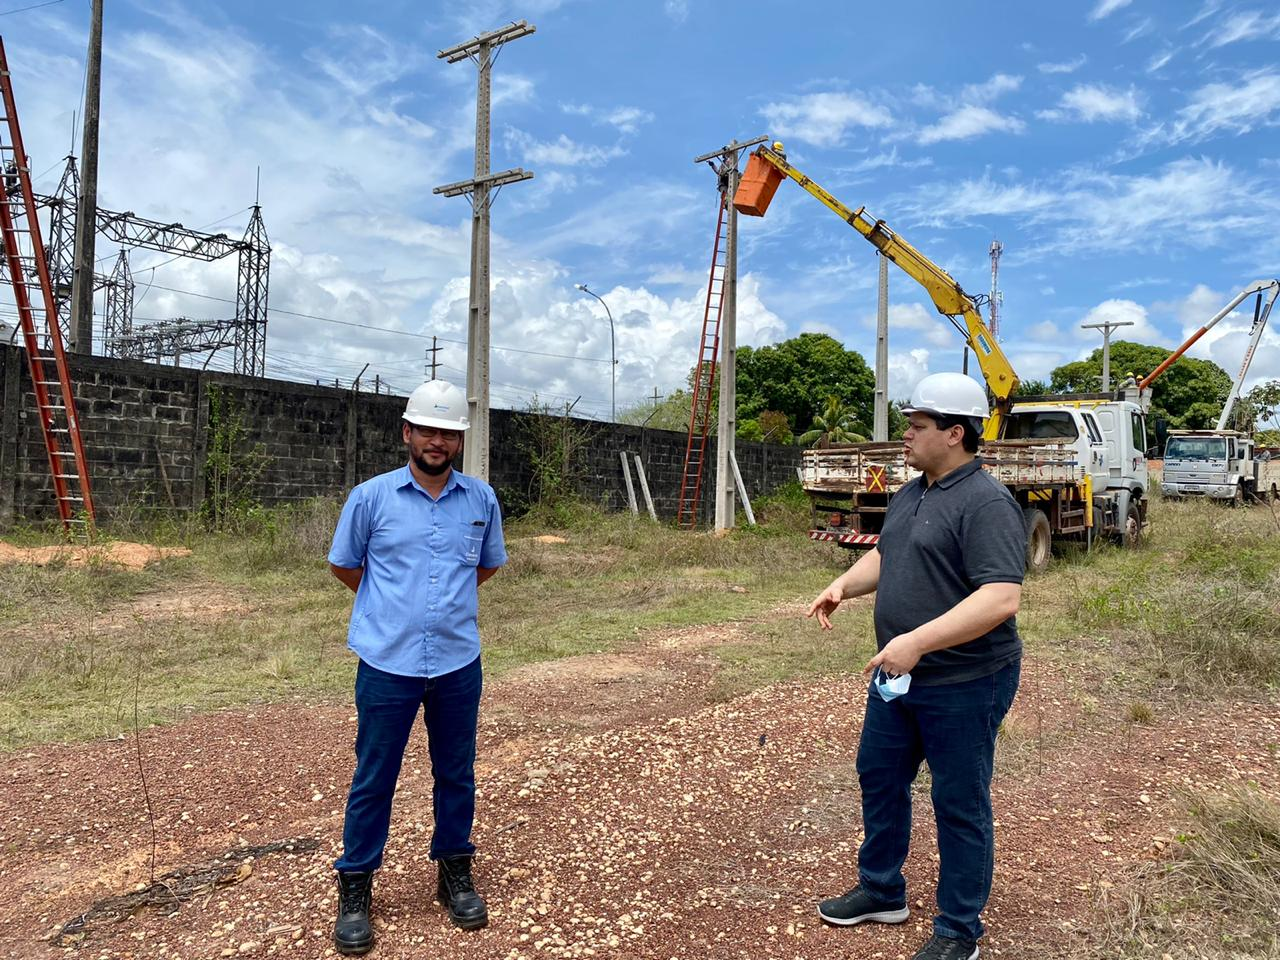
(456,891)
(352,933)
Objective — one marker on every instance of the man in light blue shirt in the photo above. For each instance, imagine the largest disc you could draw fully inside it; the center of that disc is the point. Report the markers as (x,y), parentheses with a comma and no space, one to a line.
(415,544)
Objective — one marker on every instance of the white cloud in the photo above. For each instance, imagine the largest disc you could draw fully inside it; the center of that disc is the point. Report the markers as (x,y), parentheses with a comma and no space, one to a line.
(1068,66)
(968,122)
(1225,344)
(1091,102)
(561,151)
(997,86)
(823,119)
(677,10)
(623,119)
(1158,61)
(891,159)
(1105,8)
(915,323)
(1120,311)
(1046,331)
(361,59)
(1244,25)
(1088,210)
(947,204)
(1139,29)
(1208,9)
(1226,108)
(906,370)
(1151,211)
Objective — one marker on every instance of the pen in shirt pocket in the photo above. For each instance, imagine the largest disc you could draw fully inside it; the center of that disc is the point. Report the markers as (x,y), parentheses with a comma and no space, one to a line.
(477,523)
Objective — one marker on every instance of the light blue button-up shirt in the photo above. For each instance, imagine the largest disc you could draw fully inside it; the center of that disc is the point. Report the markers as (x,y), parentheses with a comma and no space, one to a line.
(415,609)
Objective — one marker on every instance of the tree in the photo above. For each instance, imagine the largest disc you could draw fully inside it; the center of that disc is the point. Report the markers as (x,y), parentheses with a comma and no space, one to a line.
(775,426)
(1189,395)
(1257,409)
(1033,388)
(835,424)
(796,377)
(669,413)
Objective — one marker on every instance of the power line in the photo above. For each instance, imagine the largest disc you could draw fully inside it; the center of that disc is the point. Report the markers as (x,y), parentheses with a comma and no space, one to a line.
(34,6)
(367,326)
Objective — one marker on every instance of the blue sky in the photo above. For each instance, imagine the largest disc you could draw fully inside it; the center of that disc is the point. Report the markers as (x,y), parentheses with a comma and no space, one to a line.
(1126,153)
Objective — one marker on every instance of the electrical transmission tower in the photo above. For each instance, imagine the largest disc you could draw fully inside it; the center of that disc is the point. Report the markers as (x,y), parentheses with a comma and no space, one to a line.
(246,333)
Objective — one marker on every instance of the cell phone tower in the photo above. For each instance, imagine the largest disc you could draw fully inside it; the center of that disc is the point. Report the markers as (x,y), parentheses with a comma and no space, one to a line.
(997,298)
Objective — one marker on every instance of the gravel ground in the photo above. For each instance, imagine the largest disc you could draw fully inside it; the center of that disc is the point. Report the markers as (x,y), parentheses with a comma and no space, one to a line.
(621,814)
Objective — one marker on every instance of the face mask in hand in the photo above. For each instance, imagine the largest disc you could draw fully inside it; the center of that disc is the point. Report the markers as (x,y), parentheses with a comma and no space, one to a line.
(891,687)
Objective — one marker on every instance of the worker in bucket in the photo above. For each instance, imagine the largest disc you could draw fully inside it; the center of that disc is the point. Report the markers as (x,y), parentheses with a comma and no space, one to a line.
(414,545)
(947,573)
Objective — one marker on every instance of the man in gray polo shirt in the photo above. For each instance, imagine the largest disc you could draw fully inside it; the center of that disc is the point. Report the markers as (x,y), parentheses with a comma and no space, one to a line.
(947,573)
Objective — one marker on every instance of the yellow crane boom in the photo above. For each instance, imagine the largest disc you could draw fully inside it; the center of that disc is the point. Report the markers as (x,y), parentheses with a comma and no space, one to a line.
(947,295)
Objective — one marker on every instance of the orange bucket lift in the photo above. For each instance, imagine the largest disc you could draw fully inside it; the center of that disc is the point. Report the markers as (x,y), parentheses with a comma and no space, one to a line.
(759,183)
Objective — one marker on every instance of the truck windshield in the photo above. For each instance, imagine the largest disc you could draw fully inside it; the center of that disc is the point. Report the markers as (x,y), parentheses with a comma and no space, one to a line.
(1196,448)
(1041,425)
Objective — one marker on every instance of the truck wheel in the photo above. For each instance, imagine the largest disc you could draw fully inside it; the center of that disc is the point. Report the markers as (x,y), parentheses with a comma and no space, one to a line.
(1131,536)
(1237,498)
(1039,539)
(1275,494)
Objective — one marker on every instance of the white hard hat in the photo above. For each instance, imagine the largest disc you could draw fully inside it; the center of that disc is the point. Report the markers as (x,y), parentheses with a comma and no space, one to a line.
(949,394)
(437,403)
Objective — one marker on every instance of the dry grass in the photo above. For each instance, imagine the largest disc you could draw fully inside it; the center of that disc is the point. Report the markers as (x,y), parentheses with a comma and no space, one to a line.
(1196,609)
(1214,895)
(73,639)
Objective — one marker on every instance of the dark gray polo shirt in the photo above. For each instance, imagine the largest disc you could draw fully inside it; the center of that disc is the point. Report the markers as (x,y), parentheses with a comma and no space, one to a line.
(939,544)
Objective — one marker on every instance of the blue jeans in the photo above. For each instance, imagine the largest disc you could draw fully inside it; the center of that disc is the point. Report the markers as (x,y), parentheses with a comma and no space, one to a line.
(387,706)
(953,727)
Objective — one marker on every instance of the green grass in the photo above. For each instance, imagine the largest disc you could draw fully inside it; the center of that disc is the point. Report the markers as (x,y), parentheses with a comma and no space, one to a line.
(262,620)
(1194,609)
(1214,894)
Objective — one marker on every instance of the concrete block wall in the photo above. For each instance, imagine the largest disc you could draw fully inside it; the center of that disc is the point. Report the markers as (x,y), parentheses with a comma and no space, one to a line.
(147,430)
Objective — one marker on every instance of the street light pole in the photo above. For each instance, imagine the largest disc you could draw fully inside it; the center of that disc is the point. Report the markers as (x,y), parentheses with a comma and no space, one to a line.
(613,360)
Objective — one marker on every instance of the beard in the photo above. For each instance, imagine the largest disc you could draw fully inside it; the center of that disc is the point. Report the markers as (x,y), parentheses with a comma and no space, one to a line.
(429,468)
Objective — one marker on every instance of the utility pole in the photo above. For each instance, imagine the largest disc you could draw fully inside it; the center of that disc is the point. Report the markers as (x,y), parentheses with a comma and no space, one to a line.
(480,50)
(86,213)
(727,424)
(1106,329)
(433,363)
(880,426)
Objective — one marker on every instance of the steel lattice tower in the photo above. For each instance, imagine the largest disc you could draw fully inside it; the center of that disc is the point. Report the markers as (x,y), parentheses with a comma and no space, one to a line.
(60,251)
(119,320)
(251,298)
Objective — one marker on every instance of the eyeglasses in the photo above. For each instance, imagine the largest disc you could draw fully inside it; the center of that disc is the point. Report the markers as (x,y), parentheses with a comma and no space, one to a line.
(435,433)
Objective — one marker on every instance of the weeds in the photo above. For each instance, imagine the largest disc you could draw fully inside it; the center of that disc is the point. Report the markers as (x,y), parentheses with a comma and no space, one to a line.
(255,614)
(1215,893)
(1197,609)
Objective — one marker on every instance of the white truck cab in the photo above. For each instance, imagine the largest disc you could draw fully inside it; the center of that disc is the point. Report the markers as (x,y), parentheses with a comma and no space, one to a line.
(1218,464)
(1109,436)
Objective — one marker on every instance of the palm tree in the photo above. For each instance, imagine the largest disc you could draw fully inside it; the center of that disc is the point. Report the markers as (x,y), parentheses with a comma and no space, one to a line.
(835,424)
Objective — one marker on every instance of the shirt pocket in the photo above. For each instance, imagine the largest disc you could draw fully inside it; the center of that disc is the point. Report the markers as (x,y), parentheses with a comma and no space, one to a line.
(470,544)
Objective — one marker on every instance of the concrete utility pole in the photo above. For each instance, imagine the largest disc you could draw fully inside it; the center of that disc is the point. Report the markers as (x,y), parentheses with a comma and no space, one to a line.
(727,424)
(1106,329)
(880,428)
(86,212)
(480,50)
(433,351)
